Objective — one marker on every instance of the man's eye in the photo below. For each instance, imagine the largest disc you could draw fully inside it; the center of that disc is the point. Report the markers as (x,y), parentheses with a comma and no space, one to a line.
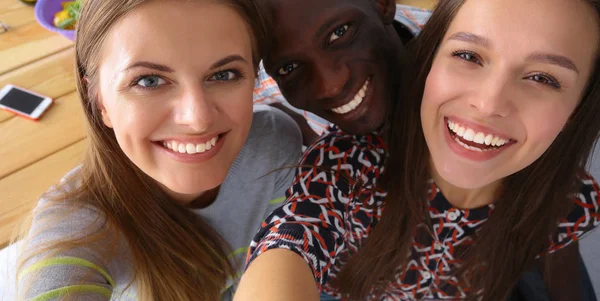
(287,69)
(338,32)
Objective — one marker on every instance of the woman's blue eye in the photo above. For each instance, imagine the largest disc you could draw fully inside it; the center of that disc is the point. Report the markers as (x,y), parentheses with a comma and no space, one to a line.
(224,76)
(150,81)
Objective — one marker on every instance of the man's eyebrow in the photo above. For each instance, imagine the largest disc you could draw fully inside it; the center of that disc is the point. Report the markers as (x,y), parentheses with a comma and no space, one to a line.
(471,38)
(335,18)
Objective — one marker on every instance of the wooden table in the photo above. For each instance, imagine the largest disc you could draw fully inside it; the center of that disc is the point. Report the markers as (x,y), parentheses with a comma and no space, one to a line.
(35,155)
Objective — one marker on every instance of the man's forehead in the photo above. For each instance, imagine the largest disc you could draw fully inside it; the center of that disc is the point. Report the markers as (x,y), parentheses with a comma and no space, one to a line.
(299,23)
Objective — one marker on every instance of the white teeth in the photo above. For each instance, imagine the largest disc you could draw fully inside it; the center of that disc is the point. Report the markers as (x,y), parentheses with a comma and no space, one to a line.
(478,137)
(356,101)
(190,148)
(467,146)
(488,139)
(469,135)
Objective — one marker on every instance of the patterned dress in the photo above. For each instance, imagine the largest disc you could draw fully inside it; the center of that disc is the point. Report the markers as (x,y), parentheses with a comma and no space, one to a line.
(326,216)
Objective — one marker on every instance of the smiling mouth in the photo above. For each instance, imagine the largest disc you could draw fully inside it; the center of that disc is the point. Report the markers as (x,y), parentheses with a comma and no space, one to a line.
(190,148)
(474,140)
(355,102)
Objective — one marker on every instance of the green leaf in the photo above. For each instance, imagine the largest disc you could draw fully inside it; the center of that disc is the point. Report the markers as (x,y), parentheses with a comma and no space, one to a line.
(66,23)
(74,9)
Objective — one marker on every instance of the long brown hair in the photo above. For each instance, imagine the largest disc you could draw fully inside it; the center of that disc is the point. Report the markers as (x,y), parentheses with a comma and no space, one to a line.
(176,255)
(526,214)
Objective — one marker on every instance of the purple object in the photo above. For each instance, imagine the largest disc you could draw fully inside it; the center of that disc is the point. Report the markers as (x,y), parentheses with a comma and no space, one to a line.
(44,13)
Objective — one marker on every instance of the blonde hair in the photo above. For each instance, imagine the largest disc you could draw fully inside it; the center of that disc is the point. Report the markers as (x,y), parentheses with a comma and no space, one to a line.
(176,255)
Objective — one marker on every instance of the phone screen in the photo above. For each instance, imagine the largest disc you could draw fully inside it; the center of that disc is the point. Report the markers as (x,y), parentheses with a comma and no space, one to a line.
(21,101)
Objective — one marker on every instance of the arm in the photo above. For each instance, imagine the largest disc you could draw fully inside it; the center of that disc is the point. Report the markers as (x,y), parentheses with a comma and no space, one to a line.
(74,271)
(277,275)
(304,237)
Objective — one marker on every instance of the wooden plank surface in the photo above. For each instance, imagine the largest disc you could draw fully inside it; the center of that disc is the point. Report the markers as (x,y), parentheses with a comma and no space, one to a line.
(25,142)
(28,43)
(426,4)
(52,77)
(22,189)
(15,14)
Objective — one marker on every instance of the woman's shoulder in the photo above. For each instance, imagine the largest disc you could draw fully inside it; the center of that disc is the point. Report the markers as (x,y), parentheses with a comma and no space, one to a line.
(274,141)
(584,215)
(69,237)
(272,132)
(585,212)
(272,124)
(66,194)
(66,210)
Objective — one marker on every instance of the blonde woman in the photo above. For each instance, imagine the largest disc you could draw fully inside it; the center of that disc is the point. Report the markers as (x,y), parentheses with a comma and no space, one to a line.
(178,173)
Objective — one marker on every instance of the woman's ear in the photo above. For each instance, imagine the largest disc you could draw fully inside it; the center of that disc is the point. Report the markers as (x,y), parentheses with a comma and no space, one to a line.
(386,10)
(105,117)
(98,102)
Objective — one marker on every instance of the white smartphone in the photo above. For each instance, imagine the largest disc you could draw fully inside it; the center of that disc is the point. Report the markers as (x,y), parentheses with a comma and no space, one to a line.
(23,102)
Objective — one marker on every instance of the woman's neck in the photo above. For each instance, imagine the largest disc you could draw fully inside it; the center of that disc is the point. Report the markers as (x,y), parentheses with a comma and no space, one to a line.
(205,200)
(463,198)
(194,201)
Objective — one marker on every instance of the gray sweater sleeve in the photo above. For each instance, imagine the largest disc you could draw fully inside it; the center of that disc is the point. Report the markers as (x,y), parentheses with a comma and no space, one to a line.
(78,271)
